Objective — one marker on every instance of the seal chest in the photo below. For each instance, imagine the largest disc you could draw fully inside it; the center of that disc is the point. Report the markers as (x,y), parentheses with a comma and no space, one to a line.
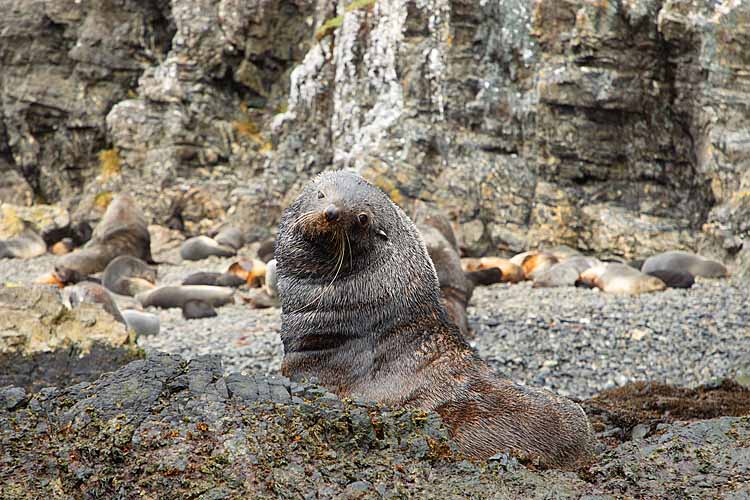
(361,312)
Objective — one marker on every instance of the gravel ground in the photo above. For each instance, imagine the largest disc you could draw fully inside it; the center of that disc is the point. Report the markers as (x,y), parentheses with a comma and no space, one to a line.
(573,341)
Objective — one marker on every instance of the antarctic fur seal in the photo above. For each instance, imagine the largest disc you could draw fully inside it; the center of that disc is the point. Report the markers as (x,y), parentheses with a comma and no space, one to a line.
(455,287)
(534,262)
(214,279)
(202,247)
(92,293)
(128,275)
(620,278)
(176,296)
(197,309)
(361,312)
(230,237)
(685,262)
(511,273)
(123,230)
(564,273)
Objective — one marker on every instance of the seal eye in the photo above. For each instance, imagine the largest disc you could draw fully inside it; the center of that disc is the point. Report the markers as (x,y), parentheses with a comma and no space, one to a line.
(321,195)
(363,218)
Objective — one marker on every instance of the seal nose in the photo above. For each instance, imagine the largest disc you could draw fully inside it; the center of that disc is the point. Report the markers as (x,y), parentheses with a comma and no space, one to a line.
(332,213)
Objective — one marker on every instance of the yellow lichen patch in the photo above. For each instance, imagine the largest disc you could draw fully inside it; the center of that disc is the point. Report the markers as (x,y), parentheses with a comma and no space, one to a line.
(396,196)
(331,25)
(246,127)
(359,4)
(102,200)
(11,224)
(328,27)
(109,162)
(266,148)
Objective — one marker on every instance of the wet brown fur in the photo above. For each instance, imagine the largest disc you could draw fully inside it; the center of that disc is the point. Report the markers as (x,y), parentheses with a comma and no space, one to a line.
(363,316)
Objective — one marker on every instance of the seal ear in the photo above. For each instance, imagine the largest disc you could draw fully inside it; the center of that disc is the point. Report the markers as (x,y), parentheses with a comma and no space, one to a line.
(382,234)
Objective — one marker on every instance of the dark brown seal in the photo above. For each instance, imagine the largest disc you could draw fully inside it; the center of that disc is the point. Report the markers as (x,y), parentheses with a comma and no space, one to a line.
(455,288)
(361,312)
(123,230)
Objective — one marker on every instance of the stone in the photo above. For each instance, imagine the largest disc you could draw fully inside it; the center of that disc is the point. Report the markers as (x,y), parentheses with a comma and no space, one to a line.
(34,319)
(182,426)
(50,221)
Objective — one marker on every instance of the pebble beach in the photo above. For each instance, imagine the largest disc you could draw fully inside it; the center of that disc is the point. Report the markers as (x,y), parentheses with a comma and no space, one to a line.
(574,341)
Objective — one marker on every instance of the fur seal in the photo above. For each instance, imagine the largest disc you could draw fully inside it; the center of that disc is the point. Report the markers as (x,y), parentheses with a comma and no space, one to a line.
(176,296)
(127,275)
(252,271)
(674,279)
(214,279)
(361,312)
(511,273)
(266,249)
(202,247)
(197,309)
(123,230)
(620,278)
(26,245)
(685,262)
(272,280)
(142,323)
(230,237)
(534,262)
(428,215)
(455,288)
(564,273)
(485,276)
(62,247)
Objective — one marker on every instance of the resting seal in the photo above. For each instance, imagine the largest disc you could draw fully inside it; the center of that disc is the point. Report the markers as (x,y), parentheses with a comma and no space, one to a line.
(361,312)
(620,278)
(203,247)
(685,262)
(127,275)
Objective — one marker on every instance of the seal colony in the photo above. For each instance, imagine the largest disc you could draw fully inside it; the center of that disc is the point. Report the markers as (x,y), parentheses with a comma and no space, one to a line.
(361,313)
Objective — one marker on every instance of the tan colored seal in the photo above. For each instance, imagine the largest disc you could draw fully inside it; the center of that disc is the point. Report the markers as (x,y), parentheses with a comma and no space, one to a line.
(564,273)
(534,262)
(361,312)
(512,273)
(253,271)
(620,278)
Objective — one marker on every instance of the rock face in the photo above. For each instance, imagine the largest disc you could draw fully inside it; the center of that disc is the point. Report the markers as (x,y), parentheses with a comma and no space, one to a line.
(36,320)
(163,427)
(619,128)
(51,221)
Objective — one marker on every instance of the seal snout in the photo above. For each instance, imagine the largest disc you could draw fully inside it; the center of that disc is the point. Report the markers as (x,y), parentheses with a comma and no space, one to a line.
(332,213)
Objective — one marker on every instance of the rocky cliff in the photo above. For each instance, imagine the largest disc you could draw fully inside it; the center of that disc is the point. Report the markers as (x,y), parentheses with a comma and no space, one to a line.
(620,128)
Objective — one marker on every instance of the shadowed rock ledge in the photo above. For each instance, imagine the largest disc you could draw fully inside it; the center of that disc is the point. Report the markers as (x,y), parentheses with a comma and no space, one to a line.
(167,428)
